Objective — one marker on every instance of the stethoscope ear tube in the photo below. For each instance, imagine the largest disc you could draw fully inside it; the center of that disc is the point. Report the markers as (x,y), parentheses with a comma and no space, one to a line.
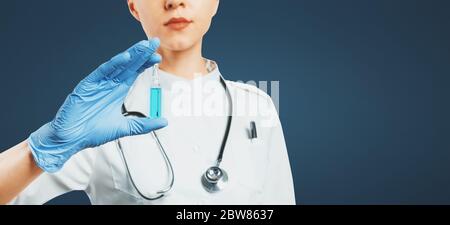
(159,193)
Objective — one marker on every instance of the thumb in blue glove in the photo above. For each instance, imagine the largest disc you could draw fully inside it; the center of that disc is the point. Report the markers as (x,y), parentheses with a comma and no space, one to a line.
(91,114)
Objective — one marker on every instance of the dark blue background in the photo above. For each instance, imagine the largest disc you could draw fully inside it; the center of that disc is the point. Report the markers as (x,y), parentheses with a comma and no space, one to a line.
(364,97)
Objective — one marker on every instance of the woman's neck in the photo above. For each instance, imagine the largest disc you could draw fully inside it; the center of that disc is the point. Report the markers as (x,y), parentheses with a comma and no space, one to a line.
(187,63)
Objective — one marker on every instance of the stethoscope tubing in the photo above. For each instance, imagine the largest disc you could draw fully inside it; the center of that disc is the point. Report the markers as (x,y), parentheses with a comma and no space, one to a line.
(164,191)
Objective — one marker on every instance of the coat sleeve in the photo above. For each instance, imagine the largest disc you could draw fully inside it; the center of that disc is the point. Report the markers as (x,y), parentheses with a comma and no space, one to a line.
(73,176)
(278,186)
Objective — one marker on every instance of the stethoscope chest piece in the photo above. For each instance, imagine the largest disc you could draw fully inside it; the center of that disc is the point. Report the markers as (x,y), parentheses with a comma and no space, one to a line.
(214,179)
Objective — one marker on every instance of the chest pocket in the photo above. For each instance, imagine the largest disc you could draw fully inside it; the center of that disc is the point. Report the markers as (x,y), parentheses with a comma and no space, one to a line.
(249,160)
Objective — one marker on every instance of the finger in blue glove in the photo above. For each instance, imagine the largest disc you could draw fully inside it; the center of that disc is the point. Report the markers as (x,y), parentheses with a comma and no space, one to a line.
(91,114)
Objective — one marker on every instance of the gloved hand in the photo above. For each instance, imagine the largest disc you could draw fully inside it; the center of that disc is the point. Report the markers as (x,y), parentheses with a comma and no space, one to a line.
(91,114)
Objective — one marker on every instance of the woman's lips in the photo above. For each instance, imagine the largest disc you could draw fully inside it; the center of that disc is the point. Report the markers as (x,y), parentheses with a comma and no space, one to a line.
(178,23)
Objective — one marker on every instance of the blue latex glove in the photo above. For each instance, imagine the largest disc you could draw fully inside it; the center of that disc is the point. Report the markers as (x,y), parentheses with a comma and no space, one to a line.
(91,115)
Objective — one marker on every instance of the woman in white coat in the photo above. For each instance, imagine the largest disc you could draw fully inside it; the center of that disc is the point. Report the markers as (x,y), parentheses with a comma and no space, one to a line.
(79,149)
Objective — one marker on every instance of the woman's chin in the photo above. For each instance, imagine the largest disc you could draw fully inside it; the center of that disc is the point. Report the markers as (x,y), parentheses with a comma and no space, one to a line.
(177,45)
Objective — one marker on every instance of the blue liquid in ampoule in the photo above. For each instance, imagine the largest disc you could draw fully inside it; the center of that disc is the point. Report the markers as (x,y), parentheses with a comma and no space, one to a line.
(155,102)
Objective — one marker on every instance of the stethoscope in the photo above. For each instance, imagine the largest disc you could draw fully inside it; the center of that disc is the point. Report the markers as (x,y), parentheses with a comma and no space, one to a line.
(213,180)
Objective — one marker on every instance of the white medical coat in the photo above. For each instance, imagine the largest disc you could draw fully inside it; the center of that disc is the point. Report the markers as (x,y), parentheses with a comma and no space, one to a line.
(259,170)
